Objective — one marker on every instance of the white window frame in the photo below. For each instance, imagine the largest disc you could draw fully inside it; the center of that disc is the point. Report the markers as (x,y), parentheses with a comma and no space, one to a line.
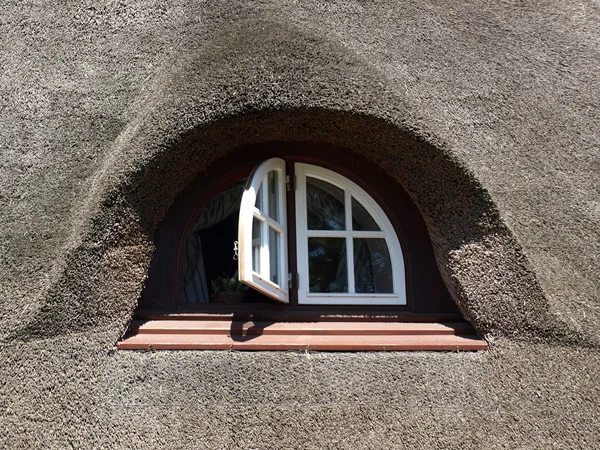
(260,281)
(387,232)
(248,212)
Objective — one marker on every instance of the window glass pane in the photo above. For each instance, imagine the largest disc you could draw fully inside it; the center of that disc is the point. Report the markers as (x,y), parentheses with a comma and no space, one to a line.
(256,241)
(325,206)
(273,183)
(327,265)
(274,237)
(372,266)
(259,198)
(361,219)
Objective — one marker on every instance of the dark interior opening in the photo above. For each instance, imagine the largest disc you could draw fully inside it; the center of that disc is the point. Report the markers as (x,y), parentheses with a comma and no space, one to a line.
(426,292)
(217,244)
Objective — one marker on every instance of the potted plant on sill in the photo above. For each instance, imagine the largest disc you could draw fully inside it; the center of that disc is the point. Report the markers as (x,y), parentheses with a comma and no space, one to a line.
(228,290)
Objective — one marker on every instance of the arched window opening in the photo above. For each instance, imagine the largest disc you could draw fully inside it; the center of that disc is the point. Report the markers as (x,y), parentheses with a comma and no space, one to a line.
(333,233)
(296,246)
(346,249)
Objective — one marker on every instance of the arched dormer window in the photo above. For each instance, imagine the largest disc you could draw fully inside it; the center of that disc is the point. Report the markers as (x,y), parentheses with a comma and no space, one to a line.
(347,251)
(337,255)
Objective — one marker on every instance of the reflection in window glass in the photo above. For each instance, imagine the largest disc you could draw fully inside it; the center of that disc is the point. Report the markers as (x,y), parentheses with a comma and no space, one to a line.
(256,244)
(327,265)
(273,183)
(274,237)
(372,266)
(325,205)
(361,219)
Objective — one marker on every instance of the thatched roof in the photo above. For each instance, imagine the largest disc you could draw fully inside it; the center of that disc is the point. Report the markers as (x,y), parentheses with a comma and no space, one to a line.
(487,114)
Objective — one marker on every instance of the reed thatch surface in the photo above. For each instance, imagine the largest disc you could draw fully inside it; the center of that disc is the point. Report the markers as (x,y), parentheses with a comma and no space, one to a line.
(487,114)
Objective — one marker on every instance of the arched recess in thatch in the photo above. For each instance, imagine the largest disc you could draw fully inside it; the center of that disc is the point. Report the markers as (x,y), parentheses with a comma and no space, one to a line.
(216,96)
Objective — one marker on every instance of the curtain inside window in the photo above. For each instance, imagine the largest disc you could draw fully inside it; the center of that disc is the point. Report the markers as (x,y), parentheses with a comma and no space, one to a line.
(222,206)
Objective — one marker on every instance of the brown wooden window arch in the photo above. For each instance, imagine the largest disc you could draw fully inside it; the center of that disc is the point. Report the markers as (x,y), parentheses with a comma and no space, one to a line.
(425,291)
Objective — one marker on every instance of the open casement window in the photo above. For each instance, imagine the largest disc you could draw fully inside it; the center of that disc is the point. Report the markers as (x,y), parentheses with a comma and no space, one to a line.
(347,249)
(262,232)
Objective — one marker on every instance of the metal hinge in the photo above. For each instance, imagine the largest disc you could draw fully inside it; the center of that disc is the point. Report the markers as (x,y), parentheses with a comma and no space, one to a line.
(293,280)
(289,185)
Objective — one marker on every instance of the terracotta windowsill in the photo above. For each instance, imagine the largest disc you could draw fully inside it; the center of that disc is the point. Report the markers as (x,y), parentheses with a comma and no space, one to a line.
(228,334)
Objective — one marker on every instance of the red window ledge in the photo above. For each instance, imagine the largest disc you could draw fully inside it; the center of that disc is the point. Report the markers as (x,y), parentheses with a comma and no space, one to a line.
(225,333)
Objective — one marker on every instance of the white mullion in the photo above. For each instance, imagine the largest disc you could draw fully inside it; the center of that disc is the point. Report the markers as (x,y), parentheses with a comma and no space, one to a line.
(327,234)
(350,262)
(369,234)
(301,231)
(265,194)
(275,225)
(281,235)
(356,234)
(264,216)
(264,244)
(349,241)
(261,217)
(264,250)
(348,209)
